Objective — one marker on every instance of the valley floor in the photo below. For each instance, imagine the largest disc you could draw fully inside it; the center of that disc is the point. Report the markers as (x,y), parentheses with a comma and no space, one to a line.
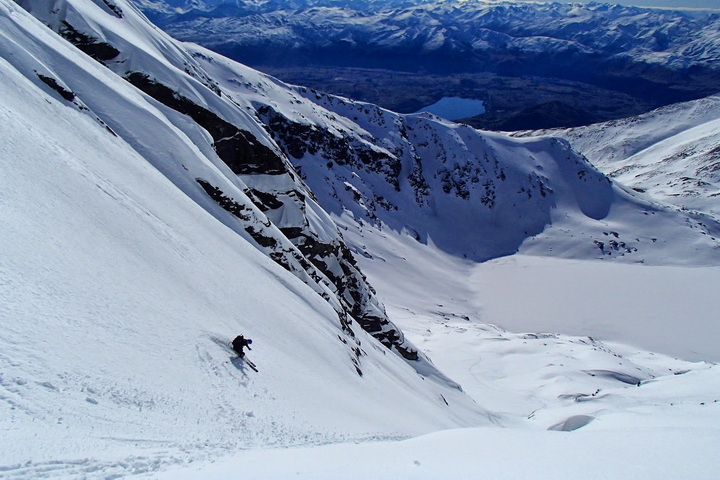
(512,103)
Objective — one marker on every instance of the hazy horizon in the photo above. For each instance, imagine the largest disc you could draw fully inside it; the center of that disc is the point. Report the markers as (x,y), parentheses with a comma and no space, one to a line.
(680,4)
(712,4)
(670,4)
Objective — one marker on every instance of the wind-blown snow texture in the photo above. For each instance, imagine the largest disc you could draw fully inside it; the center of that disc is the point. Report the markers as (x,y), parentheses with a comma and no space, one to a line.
(158,199)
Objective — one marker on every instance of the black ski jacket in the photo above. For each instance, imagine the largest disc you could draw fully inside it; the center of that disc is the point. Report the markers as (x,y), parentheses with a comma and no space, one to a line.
(238,344)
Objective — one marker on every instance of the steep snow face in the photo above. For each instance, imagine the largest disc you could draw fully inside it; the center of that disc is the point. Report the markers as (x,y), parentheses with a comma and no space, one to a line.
(146,212)
(672,153)
(296,233)
(123,281)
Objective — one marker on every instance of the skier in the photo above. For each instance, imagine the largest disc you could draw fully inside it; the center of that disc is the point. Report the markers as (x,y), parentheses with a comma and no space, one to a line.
(240,342)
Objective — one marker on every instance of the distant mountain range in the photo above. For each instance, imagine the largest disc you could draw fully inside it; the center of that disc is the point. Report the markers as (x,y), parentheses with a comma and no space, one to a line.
(475,28)
(657,55)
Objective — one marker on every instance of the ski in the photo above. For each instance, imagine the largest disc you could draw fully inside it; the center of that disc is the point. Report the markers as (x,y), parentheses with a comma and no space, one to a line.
(250,364)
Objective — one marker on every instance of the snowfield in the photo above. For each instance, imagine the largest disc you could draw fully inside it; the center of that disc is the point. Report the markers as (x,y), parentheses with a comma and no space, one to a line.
(565,405)
(122,280)
(118,300)
(120,294)
(478,453)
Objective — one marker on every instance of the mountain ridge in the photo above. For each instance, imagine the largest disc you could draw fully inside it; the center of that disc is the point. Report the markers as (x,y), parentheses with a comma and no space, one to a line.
(624,48)
(670,153)
(274,129)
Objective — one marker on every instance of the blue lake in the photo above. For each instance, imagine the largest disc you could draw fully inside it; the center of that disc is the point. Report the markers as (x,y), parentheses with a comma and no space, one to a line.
(455,108)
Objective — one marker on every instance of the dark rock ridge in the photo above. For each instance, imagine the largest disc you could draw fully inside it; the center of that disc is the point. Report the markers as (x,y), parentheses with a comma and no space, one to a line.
(330,264)
(100,51)
(238,148)
(52,83)
(415,173)
(298,139)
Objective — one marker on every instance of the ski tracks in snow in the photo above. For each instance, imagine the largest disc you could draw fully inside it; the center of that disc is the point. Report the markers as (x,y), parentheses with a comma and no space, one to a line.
(87,469)
(229,425)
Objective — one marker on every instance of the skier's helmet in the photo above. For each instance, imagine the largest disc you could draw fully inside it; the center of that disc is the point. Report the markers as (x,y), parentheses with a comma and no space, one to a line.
(249,341)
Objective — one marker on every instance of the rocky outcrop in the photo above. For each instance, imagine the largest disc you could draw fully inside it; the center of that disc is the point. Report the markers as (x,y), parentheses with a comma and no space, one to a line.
(325,260)
(415,173)
(238,148)
(297,139)
(52,83)
(100,51)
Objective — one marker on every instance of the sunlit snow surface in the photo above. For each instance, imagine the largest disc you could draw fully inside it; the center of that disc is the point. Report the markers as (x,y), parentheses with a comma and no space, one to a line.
(567,405)
(483,453)
(584,330)
(120,283)
(671,153)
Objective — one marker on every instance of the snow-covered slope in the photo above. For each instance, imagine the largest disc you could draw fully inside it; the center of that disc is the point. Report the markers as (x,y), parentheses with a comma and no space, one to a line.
(295,232)
(123,280)
(158,199)
(576,387)
(572,401)
(672,153)
(477,194)
(473,453)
